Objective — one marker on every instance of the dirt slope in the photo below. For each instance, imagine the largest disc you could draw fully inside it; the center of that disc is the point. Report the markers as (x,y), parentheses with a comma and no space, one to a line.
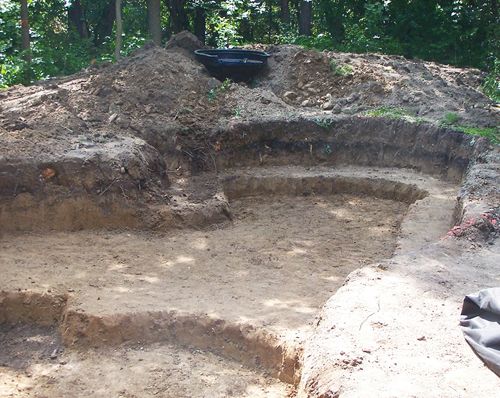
(161,95)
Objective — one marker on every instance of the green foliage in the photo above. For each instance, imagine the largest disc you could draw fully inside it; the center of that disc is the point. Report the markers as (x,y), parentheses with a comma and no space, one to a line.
(493,133)
(319,42)
(215,92)
(323,122)
(395,113)
(456,32)
(340,70)
(450,118)
(491,85)
(56,49)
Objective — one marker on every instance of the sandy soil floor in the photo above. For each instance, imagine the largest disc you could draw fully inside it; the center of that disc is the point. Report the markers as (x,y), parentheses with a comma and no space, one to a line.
(401,337)
(271,269)
(34,365)
(274,266)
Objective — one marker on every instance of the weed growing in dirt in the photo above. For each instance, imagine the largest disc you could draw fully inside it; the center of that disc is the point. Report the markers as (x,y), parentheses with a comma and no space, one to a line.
(395,113)
(214,92)
(493,133)
(340,70)
(323,122)
(450,118)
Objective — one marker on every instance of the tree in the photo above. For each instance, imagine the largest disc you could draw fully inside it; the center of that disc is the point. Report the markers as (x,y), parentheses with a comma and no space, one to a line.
(305,18)
(105,19)
(119,29)
(178,17)
(25,31)
(285,12)
(334,13)
(154,20)
(76,19)
(200,22)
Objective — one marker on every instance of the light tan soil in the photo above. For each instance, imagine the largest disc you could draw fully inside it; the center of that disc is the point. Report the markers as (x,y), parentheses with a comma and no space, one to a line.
(249,290)
(400,338)
(274,266)
(33,365)
(121,147)
(270,271)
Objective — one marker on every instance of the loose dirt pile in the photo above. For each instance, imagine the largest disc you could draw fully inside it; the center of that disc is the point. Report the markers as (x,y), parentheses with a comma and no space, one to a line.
(353,83)
(165,97)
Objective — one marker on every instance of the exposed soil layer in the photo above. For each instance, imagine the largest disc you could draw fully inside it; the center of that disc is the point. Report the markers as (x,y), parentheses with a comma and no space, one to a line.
(33,364)
(401,335)
(269,271)
(266,273)
(220,244)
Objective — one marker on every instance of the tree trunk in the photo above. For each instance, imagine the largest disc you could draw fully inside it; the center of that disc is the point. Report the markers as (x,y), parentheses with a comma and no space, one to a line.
(246,30)
(76,19)
(305,17)
(119,29)
(270,19)
(104,27)
(25,31)
(200,23)
(285,12)
(334,19)
(154,20)
(178,16)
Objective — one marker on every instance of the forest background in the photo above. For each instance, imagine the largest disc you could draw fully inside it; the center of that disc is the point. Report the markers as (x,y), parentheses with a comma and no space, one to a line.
(45,38)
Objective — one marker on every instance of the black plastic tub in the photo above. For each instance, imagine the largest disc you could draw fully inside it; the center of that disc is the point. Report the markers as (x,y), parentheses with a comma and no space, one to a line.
(235,64)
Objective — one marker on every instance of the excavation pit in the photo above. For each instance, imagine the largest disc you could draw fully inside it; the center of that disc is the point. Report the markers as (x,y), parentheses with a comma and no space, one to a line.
(248,290)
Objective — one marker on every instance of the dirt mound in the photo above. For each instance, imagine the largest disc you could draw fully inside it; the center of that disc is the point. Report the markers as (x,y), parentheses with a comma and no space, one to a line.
(186,41)
(149,89)
(160,95)
(354,83)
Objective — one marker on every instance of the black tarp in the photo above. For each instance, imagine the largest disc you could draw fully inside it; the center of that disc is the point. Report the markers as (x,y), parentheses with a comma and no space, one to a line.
(480,322)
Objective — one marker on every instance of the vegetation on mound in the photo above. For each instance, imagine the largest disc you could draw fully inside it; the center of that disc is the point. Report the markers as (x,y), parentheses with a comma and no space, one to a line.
(450,120)
(491,85)
(340,70)
(395,113)
(493,133)
(214,92)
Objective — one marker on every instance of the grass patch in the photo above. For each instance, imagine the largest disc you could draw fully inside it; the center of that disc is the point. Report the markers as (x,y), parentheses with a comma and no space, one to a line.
(449,119)
(341,70)
(493,133)
(395,113)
